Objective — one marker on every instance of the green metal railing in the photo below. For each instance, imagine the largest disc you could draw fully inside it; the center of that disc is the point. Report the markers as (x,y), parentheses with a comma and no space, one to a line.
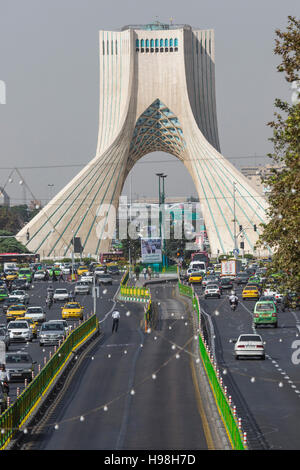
(133,294)
(14,416)
(226,410)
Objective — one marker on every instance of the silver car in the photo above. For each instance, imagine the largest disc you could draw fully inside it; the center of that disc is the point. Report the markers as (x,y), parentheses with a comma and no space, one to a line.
(51,333)
(36,314)
(82,287)
(60,295)
(104,279)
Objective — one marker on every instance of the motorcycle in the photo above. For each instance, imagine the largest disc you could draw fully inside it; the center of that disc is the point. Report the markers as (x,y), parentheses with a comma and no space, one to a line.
(233,304)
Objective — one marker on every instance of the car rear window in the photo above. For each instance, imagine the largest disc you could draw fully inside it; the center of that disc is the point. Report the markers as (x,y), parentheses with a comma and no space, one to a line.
(264,307)
(250,338)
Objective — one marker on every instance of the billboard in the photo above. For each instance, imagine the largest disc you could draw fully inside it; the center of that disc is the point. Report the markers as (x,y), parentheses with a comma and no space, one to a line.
(151,250)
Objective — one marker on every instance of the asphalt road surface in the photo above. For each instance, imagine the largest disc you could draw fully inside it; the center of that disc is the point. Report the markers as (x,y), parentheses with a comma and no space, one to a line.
(134,389)
(266,393)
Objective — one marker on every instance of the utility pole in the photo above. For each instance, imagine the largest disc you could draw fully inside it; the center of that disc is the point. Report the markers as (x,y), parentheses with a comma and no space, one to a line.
(234,222)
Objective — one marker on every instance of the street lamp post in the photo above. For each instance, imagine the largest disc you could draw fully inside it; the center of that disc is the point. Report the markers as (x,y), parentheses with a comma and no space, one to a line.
(161,199)
(234,222)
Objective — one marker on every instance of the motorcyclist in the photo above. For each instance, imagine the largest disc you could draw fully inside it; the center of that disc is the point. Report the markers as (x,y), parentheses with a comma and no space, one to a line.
(49,301)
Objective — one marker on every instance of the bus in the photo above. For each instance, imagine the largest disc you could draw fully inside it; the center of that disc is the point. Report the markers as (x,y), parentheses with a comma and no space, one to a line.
(19,258)
(111,257)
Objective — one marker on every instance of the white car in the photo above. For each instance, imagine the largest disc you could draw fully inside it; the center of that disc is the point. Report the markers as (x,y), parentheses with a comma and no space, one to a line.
(60,295)
(19,330)
(212,290)
(36,314)
(249,345)
(21,295)
(39,275)
(66,269)
(87,277)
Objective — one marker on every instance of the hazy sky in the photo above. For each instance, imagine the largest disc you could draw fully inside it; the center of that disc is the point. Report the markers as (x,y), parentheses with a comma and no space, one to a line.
(49,63)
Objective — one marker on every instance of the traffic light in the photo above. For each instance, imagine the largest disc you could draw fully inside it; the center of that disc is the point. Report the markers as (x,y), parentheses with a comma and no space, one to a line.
(254,228)
(241,228)
(242,245)
(27,235)
(76,242)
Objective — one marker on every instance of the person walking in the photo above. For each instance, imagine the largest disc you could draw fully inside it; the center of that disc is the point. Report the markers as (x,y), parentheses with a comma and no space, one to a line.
(137,272)
(144,272)
(116,317)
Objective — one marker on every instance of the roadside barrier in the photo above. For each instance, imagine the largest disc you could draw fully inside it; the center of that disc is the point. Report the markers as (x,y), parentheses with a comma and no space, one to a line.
(17,413)
(226,409)
(133,294)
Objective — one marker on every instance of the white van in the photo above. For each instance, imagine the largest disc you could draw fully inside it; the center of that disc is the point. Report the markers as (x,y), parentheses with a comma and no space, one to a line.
(10,267)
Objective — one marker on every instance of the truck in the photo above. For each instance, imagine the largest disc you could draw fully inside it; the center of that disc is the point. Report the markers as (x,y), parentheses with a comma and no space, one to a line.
(230,267)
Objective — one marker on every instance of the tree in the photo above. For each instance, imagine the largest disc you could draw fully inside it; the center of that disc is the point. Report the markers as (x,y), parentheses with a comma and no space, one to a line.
(8,244)
(282,230)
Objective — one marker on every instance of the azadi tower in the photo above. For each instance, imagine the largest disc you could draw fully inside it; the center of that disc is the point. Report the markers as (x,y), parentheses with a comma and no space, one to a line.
(157,93)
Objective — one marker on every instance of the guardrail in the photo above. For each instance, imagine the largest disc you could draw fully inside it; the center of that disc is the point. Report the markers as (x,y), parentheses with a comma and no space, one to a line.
(16,414)
(226,409)
(133,294)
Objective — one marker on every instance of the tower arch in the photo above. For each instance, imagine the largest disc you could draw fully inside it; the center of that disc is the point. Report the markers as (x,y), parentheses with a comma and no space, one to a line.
(164,101)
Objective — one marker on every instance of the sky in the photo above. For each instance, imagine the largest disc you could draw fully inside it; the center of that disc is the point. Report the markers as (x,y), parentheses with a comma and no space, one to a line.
(49,65)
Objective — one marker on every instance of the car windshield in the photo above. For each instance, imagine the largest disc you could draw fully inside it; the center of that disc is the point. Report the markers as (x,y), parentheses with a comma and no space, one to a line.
(226,279)
(35,310)
(264,307)
(251,288)
(72,306)
(25,271)
(15,358)
(250,338)
(52,327)
(61,291)
(107,275)
(17,325)
(212,286)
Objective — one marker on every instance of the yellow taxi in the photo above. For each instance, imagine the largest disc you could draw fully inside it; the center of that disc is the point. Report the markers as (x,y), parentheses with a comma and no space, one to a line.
(16,311)
(250,292)
(195,278)
(72,310)
(11,275)
(82,269)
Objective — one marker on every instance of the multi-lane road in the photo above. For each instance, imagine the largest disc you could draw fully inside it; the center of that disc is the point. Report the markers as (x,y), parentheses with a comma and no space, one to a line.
(266,393)
(134,389)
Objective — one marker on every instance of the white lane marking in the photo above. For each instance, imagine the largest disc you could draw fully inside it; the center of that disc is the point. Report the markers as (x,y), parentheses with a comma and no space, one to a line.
(286,377)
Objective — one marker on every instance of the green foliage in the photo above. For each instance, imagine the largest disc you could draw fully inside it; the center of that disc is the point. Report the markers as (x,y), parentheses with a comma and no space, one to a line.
(282,230)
